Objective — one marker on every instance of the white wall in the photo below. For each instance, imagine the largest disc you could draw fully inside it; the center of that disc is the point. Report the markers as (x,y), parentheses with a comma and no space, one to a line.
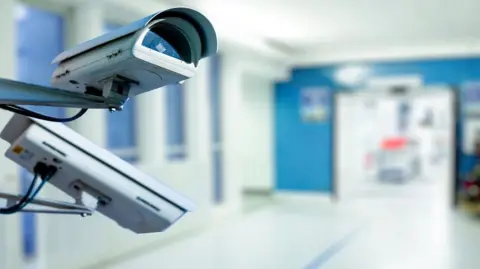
(84,22)
(230,87)
(381,51)
(344,145)
(238,64)
(9,172)
(257,150)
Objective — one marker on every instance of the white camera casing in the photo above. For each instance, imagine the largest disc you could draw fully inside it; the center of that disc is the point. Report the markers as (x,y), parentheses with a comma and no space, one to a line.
(122,53)
(135,200)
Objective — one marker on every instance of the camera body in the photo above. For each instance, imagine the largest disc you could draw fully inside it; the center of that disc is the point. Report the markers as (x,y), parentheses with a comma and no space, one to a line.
(131,198)
(161,49)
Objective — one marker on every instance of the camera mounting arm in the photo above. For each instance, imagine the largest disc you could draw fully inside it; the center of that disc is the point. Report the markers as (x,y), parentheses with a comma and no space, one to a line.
(19,93)
(46,206)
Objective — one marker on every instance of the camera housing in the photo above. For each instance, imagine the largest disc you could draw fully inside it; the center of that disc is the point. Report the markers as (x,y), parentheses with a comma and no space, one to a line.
(116,189)
(161,49)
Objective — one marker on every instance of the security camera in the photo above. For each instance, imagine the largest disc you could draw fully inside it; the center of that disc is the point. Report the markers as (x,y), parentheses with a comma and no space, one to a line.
(95,178)
(161,49)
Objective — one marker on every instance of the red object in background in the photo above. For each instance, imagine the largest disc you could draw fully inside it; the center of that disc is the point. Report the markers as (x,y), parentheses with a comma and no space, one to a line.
(394,143)
(369,160)
(472,188)
(468,184)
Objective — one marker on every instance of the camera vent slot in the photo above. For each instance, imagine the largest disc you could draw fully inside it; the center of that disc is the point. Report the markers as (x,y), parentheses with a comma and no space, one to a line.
(148,204)
(54,149)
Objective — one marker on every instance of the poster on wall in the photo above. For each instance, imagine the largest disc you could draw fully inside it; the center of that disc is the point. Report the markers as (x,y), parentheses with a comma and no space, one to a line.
(471,113)
(314,104)
(471,97)
(471,135)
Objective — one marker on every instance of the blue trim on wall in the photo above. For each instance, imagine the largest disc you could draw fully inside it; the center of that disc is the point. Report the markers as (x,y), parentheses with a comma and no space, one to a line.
(35,51)
(29,221)
(303,151)
(121,128)
(175,111)
(215,97)
(215,113)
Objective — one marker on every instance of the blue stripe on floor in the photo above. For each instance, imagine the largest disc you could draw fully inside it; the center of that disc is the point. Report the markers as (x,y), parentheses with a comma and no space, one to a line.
(333,249)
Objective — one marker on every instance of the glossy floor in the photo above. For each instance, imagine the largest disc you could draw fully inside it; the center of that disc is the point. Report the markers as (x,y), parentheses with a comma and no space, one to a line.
(374,233)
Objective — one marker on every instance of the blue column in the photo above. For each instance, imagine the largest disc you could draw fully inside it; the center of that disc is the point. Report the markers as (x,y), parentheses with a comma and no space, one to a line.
(39,39)
(216,119)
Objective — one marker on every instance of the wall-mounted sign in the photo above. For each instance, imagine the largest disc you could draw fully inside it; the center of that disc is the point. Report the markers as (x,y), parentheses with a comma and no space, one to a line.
(471,98)
(315,104)
(471,92)
(471,135)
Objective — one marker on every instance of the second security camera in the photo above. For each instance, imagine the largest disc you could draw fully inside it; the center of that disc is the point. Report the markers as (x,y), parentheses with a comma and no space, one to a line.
(161,49)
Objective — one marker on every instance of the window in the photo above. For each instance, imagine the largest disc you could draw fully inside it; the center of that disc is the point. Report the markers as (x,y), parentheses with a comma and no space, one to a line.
(215,113)
(35,51)
(121,134)
(121,137)
(175,121)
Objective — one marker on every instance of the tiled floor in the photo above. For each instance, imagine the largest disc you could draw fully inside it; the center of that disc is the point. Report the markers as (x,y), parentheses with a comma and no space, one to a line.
(375,233)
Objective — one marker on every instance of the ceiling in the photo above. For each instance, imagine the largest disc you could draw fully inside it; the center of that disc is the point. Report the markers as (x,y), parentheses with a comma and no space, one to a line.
(294,24)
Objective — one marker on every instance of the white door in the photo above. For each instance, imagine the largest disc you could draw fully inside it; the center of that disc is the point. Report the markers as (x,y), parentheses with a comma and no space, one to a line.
(365,119)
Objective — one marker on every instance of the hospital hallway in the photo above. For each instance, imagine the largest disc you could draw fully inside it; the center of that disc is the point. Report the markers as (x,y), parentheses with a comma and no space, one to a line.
(373,233)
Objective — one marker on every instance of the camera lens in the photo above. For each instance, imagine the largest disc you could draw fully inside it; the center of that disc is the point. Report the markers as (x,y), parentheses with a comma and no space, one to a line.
(156,42)
(175,37)
(203,28)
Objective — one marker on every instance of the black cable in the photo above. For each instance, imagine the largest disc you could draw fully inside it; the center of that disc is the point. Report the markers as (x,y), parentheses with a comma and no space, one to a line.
(33,114)
(41,170)
(46,172)
(45,180)
(23,202)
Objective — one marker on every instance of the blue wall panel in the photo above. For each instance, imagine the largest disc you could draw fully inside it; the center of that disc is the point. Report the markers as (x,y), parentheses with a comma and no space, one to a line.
(39,39)
(28,221)
(175,111)
(215,97)
(303,150)
(215,113)
(36,50)
(121,128)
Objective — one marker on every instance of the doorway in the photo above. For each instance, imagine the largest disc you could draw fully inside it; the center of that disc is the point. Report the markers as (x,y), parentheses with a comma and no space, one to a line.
(395,144)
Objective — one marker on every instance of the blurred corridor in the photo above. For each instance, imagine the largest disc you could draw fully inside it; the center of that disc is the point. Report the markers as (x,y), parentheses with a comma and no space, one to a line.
(323,134)
(394,234)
